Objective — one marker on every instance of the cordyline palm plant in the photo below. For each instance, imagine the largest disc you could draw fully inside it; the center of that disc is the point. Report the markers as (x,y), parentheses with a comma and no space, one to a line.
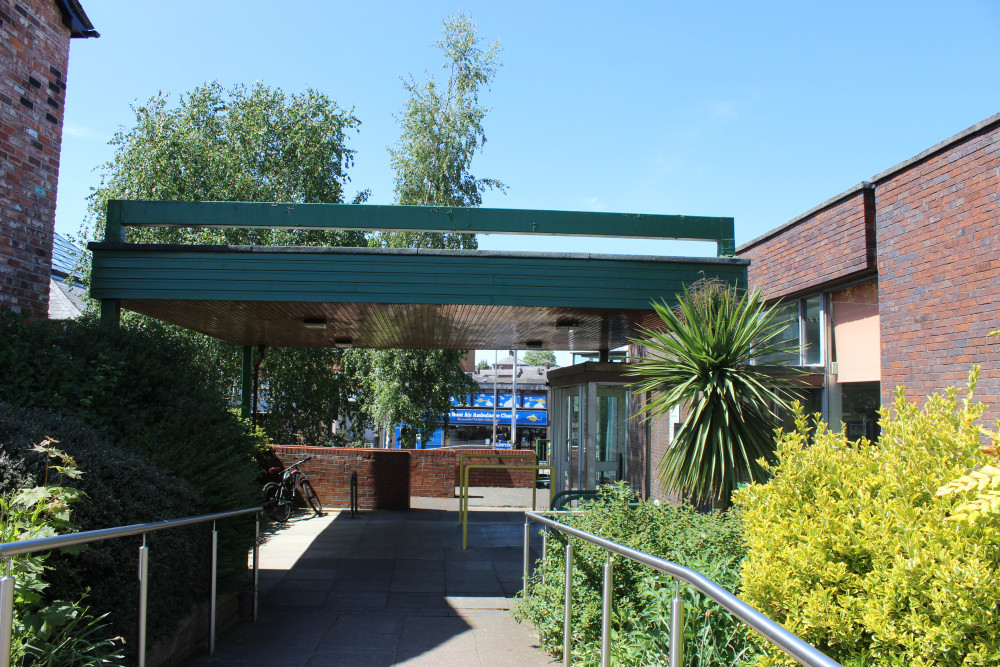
(702,359)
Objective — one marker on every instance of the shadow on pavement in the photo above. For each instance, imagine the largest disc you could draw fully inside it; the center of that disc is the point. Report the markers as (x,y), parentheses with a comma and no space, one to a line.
(389,588)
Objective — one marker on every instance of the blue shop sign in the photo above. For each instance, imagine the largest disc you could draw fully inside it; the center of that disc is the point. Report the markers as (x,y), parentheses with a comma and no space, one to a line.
(474,416)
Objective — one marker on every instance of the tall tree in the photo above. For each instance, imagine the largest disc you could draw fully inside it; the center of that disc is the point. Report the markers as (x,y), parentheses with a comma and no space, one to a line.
(540,357)
(441,132)
(243,144)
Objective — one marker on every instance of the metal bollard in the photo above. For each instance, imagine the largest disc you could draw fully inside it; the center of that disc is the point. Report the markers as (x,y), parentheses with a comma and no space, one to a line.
(606,615)
(211,602)
(7,584)
(568,598)
(143,585)
(677,627)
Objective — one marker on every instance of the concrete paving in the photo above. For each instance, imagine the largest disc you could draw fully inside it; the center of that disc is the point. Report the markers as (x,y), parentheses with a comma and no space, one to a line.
(389,588)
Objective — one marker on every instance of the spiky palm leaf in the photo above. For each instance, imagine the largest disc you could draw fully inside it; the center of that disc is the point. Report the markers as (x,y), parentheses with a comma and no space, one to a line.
(702,358)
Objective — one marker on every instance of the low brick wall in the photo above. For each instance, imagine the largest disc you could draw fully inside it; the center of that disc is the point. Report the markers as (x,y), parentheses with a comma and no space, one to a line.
(388,477)
(383,475)
(434,472)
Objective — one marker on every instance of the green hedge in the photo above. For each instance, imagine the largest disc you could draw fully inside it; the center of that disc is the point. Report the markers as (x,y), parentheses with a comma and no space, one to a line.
(709,543)
(155,439)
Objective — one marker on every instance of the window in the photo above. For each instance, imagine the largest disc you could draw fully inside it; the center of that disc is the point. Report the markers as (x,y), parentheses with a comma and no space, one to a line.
(803,322)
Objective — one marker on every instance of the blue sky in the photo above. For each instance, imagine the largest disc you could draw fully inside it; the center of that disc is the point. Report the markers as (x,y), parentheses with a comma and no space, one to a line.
(757,111)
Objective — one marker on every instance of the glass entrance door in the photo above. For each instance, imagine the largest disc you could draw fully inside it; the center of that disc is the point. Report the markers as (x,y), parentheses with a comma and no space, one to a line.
(610,434)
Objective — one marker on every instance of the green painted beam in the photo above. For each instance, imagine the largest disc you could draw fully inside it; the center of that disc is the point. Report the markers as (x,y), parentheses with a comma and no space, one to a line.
(418,277)
(420,219)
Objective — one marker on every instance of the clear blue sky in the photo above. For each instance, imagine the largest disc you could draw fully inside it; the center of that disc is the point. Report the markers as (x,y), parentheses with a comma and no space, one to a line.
(757,111)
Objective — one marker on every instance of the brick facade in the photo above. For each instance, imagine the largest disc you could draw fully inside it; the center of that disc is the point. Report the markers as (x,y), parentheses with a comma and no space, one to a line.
(833,242)
(34,50)
(938,230)
(927,230)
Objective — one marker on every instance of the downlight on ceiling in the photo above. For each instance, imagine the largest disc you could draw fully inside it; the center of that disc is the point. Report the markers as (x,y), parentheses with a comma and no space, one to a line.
(344,343)
(314,322)
(532,344)
(567,325)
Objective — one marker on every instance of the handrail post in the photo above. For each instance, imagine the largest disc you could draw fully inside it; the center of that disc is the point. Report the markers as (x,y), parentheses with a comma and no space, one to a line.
(606,615)
(677,627)
(545,551)
(534,486)
(143,586)
(211,601)
(527,547)
(568,602)
(256,563)
(7,584)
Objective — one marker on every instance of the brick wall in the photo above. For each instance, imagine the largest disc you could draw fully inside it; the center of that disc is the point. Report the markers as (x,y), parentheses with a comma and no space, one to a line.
(832,242)
(34,50)
(938,235)
(388,477)
(383,475)
(434,472)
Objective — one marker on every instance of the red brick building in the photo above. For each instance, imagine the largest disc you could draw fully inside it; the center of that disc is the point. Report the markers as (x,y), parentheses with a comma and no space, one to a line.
(894,282)
(34,54)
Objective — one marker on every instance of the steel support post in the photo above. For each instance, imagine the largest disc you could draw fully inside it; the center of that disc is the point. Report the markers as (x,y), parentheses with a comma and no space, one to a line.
(677,627)
(143,586)
(246,381)
(568,603)
(256,563)
(527,558)
(212,601)
(7,584)
(545,552)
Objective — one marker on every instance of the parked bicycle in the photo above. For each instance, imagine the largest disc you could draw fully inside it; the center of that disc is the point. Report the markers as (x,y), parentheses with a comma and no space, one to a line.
(279,497)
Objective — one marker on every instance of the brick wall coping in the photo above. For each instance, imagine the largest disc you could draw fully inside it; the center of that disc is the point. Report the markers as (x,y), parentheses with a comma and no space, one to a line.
(938,148)
(836,199)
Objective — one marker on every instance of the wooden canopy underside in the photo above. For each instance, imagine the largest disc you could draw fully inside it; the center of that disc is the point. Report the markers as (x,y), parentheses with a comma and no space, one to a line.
(422,299)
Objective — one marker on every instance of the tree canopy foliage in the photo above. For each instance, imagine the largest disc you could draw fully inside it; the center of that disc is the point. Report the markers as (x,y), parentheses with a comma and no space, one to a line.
(441,132)
(244,144)
(257,143)
(540,357)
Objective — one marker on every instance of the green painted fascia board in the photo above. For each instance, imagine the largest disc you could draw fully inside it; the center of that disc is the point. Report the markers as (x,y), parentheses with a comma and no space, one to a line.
(376,278)
(466,220)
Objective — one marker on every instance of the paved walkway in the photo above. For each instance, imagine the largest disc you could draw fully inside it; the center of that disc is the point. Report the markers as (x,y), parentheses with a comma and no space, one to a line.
(388,588)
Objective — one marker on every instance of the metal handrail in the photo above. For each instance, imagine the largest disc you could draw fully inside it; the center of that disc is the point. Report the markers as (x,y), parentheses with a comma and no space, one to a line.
(10,549)
(793,645)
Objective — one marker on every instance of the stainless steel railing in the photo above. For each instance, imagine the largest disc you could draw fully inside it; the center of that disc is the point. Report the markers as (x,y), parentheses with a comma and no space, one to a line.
(791,644)
(10,549)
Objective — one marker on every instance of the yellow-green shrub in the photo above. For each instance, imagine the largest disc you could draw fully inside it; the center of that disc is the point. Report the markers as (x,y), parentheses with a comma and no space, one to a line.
(850,549)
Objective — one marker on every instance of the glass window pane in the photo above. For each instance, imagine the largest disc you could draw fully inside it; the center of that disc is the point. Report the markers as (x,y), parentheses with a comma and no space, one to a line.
(813,351)
(787,316)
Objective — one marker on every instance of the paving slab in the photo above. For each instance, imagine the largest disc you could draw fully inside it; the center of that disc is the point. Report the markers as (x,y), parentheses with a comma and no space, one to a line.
(389,588)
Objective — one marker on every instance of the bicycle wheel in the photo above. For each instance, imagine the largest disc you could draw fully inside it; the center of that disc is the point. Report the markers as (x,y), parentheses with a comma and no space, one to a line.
(275,504)
(309,493)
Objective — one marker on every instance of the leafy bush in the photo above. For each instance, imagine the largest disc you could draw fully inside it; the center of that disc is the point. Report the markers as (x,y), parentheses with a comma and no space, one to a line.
(160,443)
(709,543)
(850,549)
(56,632)
(143,386)
(118,488)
